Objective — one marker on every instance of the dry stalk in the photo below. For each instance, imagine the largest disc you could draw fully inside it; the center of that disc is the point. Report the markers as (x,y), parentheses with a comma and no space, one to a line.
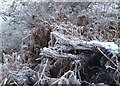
(40,78)
(44,69)
(5,81)
(15,83)
(67,56)
(72,73)
(107,58)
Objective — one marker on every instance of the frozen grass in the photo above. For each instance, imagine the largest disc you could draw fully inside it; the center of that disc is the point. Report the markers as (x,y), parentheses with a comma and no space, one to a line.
(50,32)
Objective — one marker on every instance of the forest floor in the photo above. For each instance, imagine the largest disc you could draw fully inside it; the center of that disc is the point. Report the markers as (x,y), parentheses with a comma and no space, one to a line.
(52,43)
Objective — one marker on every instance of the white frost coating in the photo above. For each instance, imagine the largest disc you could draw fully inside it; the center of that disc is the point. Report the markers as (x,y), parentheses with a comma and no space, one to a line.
(34,76)
(110,67)
(107,45)
(18,58)
(24,80)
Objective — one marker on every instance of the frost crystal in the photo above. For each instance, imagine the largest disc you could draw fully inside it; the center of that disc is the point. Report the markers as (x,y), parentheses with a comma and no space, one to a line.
(107,45)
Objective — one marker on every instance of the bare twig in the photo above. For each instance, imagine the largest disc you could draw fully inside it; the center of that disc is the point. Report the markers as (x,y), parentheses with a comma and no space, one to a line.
(62,77)
(107,58)
(51,53)
(40,78)
(44,69)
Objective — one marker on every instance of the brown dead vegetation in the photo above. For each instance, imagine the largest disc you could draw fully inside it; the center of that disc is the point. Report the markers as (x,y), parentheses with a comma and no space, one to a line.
(58,53)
